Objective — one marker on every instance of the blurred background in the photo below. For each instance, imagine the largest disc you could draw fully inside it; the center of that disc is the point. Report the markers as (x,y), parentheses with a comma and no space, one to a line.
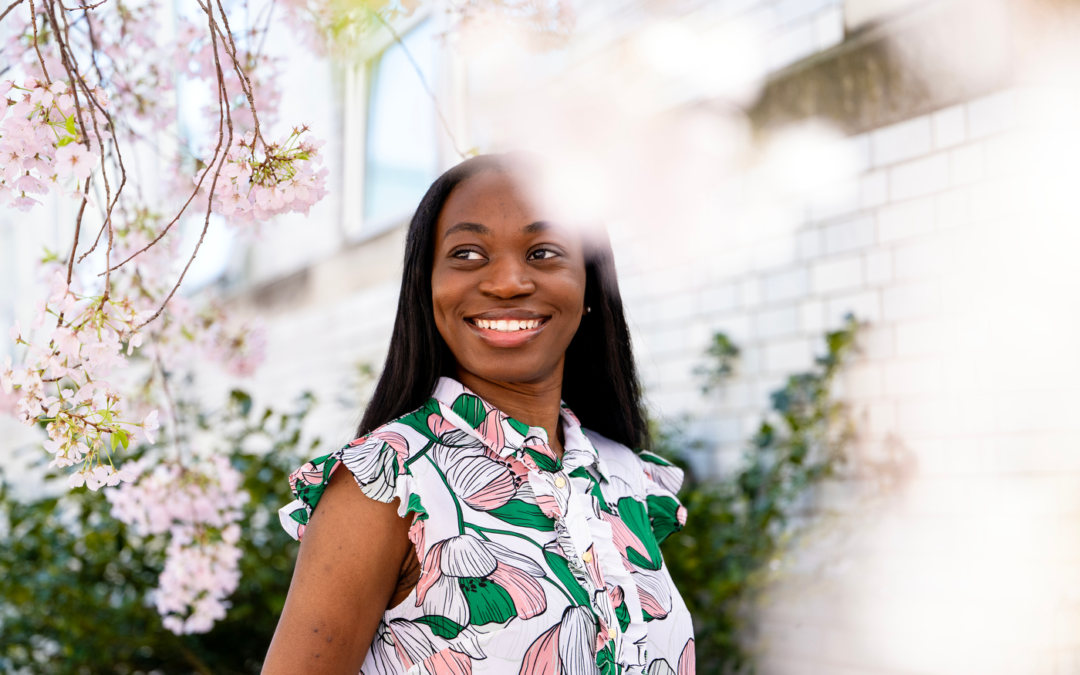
(765,168)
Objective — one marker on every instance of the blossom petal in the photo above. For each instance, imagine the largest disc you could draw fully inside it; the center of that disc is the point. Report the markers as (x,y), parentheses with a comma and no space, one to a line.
(542,657)
(466,556)
(524,590)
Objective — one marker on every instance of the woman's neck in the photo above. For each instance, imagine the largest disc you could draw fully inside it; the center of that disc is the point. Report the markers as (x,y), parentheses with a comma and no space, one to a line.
(534,403)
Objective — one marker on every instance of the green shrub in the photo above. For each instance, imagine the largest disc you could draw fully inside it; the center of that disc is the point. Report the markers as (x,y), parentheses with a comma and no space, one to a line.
(737,525)
(74,580)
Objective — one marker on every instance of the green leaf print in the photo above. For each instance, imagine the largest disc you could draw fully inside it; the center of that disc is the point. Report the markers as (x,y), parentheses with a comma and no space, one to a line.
(634,515)
(415,505)
(519,427)
(469,408)
(417,420)
(653,459)
(664,516)
(522,514)
(561,568)
(300,516)
(544,462)
(605,661)
(488,602)
(441,626)
(623,615)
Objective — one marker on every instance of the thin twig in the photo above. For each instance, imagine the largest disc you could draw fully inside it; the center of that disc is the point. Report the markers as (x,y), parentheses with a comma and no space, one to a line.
(423,83)
(10,7)
(224,120)
(33,22)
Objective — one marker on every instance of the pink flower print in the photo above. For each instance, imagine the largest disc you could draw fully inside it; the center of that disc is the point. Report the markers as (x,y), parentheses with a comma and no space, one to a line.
(466,556)
(567,647)
(680,515)
(416,644)
(654,591)
(430,572)
(416,536)
(602,635)
(592,566)
(449,662)
(439,425)
(524,590)
(616,595)
(482,482)
(622,536)
(300,532)
(491,430)
(688,660)
(397,442)
(308,474)
(542,658)
(549,505)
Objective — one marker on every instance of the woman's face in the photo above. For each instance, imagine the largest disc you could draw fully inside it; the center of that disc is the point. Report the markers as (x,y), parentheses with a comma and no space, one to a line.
(507,284)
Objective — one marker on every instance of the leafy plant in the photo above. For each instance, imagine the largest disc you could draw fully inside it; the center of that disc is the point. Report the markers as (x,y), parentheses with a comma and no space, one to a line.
(737,526)
(74,581)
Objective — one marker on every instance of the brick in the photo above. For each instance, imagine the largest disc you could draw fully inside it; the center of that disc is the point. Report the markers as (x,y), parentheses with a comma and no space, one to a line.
(898,142)
(838,200)
(923,259)
(874,189)
(919,177)
(879,267)
(794,44)
(912,377)
(775,322)
(967,164)
(837,275)
(788,356)
(849,235)
(786,285)
(750,292)
(949,127)
(906,220)
(881,419)
(992,114)
(812,316)
(863,380)
(919,338)
(719,299)
(677,307)
(952,209)
(809,244)
(1009,154)
(865,305)
(911,300)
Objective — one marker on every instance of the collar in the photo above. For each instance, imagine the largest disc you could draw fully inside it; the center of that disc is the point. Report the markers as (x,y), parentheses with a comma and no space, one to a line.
(506,436)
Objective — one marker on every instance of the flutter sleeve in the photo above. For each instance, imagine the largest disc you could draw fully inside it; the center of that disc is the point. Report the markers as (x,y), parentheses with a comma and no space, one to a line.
(662,482)
(376,461)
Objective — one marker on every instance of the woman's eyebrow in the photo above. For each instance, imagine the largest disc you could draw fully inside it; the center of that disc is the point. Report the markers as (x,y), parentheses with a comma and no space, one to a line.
(475,228)
(538,226)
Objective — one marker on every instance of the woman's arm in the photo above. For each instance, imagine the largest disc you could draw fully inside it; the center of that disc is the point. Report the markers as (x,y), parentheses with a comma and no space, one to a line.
(350,558)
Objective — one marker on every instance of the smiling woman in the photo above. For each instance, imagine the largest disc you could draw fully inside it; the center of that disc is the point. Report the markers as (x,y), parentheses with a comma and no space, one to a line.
(494,531)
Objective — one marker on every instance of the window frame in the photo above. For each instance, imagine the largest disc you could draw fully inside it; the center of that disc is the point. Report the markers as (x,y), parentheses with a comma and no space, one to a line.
(449,88)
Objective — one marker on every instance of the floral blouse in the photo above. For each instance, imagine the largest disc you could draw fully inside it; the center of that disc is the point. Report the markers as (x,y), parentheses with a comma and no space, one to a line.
(530,565)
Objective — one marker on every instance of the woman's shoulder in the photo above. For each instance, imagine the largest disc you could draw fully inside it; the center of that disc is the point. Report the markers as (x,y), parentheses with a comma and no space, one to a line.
(379,462)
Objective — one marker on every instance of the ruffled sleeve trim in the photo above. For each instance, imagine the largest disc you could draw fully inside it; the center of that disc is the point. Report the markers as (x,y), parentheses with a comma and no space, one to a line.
(377,463)
(662,482)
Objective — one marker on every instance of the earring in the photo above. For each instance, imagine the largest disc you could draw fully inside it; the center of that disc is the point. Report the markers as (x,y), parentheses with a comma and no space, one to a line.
(588,310)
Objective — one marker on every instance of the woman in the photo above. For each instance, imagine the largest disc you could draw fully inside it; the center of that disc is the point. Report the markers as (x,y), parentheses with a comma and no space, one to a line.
(492,532)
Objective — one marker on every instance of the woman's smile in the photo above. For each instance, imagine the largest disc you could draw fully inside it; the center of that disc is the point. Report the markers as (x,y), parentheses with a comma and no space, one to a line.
(507,327)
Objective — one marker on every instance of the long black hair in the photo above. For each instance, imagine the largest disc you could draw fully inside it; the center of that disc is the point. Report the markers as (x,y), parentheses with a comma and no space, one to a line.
(600,382)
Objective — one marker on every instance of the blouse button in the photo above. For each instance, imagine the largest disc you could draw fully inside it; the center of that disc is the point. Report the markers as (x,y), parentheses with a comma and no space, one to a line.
(560,482)
(587,556)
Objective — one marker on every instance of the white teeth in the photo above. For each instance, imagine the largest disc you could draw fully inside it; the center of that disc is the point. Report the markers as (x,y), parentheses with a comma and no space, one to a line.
(507,325)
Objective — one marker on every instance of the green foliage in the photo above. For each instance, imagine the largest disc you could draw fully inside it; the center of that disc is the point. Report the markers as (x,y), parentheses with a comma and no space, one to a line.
(722,354)
(737,526)
(74,581)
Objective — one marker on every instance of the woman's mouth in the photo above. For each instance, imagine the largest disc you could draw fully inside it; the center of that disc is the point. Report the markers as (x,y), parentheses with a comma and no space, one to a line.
(507,331)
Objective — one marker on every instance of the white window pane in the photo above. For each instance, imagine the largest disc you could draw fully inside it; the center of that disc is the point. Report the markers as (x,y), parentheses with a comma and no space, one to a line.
(402,155)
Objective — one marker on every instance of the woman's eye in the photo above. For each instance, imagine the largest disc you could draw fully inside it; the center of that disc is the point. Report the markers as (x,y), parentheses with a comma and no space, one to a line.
(466,254)
(542,254)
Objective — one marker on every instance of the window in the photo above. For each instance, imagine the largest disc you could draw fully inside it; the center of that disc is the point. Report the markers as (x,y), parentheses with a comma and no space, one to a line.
(402,148)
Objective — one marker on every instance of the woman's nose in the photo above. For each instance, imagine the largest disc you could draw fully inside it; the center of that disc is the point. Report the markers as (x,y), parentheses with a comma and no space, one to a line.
(507,278)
